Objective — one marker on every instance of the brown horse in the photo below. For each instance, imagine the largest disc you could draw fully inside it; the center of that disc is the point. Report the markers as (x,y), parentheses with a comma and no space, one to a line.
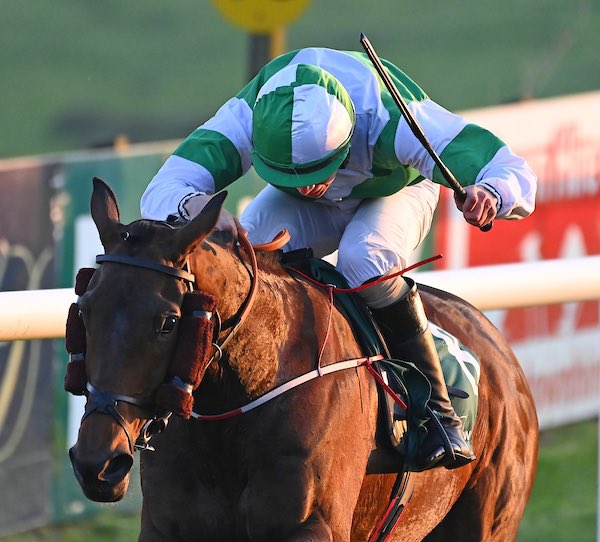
(293,469)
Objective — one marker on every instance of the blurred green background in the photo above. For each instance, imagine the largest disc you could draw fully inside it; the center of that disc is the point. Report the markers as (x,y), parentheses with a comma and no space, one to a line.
(77,74)
(74,74)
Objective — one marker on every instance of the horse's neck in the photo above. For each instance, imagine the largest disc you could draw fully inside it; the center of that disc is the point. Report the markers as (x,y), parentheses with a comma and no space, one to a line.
(254,350)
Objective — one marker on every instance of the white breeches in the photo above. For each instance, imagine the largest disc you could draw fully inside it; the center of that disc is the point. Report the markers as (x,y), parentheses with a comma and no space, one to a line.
(373,236)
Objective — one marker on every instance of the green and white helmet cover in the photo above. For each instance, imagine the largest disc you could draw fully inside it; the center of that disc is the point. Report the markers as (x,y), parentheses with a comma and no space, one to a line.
(302,123)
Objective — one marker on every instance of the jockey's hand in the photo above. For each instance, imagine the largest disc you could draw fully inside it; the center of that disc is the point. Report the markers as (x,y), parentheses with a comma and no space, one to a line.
(194,205)
(479,207)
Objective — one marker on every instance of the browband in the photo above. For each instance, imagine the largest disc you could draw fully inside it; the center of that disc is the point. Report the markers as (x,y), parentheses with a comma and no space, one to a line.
(135,262)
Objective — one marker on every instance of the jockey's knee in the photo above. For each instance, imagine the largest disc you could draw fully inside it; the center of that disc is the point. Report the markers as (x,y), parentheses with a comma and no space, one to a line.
(386,292)
(361,263)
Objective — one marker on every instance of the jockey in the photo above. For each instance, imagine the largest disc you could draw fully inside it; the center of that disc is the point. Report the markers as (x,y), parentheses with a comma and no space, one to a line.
(345,172)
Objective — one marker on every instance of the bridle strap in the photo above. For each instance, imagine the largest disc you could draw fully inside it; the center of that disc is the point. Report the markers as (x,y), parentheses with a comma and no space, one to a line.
(142,403)
(136,262)
(103,402)
(249,301)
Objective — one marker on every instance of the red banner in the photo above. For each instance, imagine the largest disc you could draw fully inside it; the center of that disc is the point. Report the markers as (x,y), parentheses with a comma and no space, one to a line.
(566,223)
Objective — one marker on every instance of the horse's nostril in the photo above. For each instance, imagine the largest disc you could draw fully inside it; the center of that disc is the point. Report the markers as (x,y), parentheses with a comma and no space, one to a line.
(111,471)
(118,467)
(84,471)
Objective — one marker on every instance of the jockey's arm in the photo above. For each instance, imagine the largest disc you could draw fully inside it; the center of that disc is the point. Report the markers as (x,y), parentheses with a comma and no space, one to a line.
(498,183)
(209,159)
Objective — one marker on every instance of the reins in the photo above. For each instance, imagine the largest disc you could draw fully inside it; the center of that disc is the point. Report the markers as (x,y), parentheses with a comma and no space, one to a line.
(249,301)
(295,382)
(332,288)
(369,284)
(320,371)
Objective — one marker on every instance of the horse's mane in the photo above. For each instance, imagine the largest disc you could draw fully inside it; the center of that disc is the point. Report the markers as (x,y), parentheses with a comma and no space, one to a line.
(144,231)
(270,262)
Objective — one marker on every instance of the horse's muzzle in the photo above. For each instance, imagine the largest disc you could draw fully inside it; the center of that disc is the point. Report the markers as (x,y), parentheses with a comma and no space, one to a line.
(102,480)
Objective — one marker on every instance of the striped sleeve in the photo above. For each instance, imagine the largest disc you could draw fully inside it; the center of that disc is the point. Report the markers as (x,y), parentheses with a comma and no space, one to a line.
(213,156)
(209,159)
(222,145)
(472,153)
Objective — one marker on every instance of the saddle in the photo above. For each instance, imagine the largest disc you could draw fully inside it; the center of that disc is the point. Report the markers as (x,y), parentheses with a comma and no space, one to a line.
(399,431)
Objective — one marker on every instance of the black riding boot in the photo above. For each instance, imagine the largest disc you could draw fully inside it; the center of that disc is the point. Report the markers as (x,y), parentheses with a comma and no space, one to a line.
(406,329)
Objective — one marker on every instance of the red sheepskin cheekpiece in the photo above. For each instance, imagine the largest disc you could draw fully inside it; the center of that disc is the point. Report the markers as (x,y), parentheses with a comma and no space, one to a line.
(192,354)
(75,377)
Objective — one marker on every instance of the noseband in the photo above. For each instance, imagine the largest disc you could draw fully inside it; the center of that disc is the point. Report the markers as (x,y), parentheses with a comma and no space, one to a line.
(104,402)
(174,396)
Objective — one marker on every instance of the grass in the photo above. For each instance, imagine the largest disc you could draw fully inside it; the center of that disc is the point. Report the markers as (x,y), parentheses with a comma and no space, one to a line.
(104,527)
(562,507)
(76,74)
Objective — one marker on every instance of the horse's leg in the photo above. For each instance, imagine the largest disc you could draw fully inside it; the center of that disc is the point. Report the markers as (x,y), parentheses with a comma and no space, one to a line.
(506,433)
(286,501)
(467,521)
(492,504)
(278,503)
(491,509)
(476,518)
(304,484)
(184,497)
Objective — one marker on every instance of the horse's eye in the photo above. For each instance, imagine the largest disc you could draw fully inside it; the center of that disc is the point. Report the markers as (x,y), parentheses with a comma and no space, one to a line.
(168,324)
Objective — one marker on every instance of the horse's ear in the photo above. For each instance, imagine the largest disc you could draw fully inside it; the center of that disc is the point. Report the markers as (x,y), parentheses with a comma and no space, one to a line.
(105,212)
(188,237)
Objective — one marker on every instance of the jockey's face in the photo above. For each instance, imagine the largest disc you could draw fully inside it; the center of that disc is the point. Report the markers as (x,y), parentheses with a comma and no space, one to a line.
(315,191)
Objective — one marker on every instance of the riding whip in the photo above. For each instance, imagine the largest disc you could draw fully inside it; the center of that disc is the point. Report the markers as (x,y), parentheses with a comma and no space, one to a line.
(413,124)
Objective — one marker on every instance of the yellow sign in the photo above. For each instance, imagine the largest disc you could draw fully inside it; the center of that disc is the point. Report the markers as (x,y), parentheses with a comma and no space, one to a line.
(260,16)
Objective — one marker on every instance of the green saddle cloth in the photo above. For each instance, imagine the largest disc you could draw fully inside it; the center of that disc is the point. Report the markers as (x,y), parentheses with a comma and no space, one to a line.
(459,365)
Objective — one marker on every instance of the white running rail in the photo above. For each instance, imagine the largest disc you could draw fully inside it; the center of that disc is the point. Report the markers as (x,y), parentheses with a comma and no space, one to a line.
(41,314)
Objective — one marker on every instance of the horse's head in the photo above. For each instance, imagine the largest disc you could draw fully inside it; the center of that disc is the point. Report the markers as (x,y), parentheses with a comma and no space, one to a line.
(131,311)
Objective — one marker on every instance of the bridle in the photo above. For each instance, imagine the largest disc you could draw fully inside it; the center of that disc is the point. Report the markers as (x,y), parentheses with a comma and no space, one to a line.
(182,274)
(106,402)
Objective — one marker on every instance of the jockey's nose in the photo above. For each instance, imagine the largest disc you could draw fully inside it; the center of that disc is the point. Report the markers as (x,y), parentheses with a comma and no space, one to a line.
(316,190)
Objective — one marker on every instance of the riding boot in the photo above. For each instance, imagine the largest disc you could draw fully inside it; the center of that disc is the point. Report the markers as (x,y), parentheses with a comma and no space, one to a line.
(406,329)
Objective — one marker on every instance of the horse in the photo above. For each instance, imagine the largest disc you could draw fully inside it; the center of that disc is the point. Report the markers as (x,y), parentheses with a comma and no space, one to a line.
(295,468)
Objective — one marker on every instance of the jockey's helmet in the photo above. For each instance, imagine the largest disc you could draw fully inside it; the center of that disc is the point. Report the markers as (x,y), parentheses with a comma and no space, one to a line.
(303,121)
